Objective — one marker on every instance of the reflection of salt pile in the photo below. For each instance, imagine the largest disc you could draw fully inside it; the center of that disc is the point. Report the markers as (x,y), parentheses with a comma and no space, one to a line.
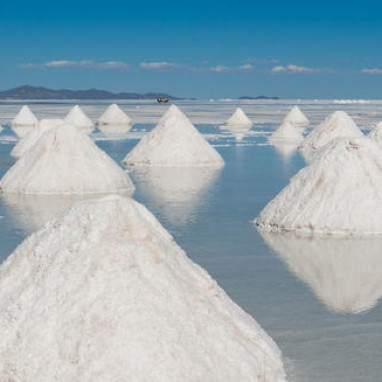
(376,134)
(286,132)
(345,273)
(103,293)
(174,142)
(338,124)
(296,117)
(65,161)
(78,118)
(340,192)
(178,193)
(24,121)
(1,128)
(114,116)
(239,118)
(285,149)
(31,138)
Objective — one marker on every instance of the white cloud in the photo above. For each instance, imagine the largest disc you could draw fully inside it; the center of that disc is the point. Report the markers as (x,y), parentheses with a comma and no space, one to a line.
(162,66)
(245,68)
(84,64)
(372,71)
(219,69)
(296,69)
(263,61)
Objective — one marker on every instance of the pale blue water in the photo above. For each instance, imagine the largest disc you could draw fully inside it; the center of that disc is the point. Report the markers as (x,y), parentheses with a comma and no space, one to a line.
(307,295)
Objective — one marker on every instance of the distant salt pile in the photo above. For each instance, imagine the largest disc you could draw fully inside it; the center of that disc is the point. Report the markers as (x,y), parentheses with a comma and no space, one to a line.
(239,118)
(31,138)
(78,118)
(376,134)
(340,192)
(103,293)
(342,272)
(114,116)
(24,121)
(174,142)
(338,124)
(65,161)
(296,117)
(287,133)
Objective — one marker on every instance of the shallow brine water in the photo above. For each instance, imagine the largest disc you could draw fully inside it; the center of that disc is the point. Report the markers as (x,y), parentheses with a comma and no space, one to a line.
(317,298)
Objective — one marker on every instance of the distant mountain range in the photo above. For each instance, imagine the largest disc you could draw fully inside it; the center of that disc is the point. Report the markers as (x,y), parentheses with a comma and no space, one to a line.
(38,92)
(258,97)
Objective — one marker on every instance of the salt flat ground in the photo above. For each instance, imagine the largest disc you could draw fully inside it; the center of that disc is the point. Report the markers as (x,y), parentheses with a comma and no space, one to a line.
(318,299)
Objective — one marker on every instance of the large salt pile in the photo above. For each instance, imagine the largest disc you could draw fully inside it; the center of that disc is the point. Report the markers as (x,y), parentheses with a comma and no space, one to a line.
(31,138)
(174,142)
(340,192)
(286,132)
(344,273)
(376,134)
(338,124)
(78,118)
(65,161)
(103,293)
(239,118)
(114,116)
(296,117)
(24,121)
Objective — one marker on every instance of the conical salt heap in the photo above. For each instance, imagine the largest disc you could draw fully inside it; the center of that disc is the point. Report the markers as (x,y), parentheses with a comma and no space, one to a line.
(340,192)
(113,115)
(31,138)
(174,142)
(376,134)
(24,121)
(344,272)
(103,293)
(239,118)
(336,125)
(65,161)
(296,117)
(78,118)
(287,133)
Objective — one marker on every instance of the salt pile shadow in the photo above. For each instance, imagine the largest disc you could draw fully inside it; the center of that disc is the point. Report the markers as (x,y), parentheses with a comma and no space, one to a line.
(177,193)
(345,273)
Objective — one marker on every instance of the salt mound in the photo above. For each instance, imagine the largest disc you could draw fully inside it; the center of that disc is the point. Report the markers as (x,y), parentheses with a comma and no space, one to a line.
(340,192)
(376,134)
(31,138)
(114,116)
(286,132)
(65,161)
(344,273)
(174,142)
(338,124)
(103,293)
(78,118)
(239,118)
(296,117)
(24,121)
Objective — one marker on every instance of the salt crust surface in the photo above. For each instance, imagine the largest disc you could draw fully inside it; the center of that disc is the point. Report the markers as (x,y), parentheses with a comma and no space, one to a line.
(239,118)
(337,124)
(113,115)
(376,134)
(344,273)
(296,117)
(34,135)
(340,192)
(24,121)
(78,118)
(287,132)
(103,293)
(65,161)
(174,142)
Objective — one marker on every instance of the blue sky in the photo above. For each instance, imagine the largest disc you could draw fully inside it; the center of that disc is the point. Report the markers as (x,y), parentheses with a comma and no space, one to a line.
(325,49)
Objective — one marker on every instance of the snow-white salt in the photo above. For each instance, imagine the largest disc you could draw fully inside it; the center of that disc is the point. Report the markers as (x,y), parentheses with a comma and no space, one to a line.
(239,118)
(24,121)
(340,192)
(376,134)
(78,118)
(296,117)
(287,133)
(103,293)
(113,115)
(65,161)
(174,142)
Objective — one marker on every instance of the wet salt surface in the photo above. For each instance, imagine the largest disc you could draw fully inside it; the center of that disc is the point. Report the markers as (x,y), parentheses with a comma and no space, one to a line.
(318,299)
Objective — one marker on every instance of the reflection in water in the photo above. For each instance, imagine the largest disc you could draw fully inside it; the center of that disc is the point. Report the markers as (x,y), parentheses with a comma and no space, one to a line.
(238,130)
(308,155)
(177,192)
(285,150)
(344,273)
(31,212)
(114,129)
